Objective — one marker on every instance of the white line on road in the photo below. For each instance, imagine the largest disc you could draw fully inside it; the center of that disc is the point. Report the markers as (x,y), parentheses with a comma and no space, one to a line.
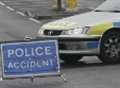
(11,9)
(20,13)
(1,3)
(34,20)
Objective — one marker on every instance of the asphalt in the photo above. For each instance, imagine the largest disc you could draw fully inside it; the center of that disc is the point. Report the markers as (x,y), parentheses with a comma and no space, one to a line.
(89,73)
(41,9)
(15,27)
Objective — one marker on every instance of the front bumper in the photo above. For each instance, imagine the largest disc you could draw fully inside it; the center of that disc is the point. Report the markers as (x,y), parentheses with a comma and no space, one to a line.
(83,44)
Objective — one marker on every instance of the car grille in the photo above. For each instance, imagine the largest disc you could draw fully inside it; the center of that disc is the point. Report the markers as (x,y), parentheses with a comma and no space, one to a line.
(52,32)
(70,45)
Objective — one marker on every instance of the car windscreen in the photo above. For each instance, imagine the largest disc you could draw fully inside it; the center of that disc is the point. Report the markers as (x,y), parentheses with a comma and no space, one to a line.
(110,6)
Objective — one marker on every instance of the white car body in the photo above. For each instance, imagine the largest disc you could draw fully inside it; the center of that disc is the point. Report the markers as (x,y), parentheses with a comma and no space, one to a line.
(81,34)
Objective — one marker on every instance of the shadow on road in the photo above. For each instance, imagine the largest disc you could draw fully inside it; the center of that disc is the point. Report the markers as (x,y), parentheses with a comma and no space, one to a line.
(83,64)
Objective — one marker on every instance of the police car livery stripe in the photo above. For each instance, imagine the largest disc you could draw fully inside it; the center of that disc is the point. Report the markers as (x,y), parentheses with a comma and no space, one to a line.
(116,24)
(100,28)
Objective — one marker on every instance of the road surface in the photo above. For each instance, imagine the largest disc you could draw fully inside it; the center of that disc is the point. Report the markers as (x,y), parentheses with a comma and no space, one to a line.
(14,27)
(45,7)
(89,73)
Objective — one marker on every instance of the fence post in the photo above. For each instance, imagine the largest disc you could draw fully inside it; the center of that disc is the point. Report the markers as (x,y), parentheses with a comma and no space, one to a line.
(58,4)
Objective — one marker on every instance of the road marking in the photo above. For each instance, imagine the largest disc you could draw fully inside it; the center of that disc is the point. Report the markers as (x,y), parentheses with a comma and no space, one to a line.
(1,3)
(20,13)
(34,20)
(11,9)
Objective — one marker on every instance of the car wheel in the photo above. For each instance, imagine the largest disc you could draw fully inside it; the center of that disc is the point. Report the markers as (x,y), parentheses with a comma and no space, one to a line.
(70,58)
(110,47)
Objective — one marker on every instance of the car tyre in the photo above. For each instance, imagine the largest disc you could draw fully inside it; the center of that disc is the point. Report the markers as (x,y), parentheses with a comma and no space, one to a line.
(110,47)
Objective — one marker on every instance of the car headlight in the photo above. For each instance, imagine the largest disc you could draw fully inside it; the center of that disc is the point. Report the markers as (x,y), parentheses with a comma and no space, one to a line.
(76,31)
(40,32)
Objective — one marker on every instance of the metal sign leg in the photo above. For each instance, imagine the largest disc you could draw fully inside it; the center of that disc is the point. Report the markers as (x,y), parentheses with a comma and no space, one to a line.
(1,79)
(63,77)
(32,79)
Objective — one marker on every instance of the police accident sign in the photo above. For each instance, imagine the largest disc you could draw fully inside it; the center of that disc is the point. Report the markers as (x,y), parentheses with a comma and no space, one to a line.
(26,59)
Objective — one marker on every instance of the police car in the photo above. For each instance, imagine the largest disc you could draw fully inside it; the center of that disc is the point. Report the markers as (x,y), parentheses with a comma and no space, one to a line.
(92,33)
